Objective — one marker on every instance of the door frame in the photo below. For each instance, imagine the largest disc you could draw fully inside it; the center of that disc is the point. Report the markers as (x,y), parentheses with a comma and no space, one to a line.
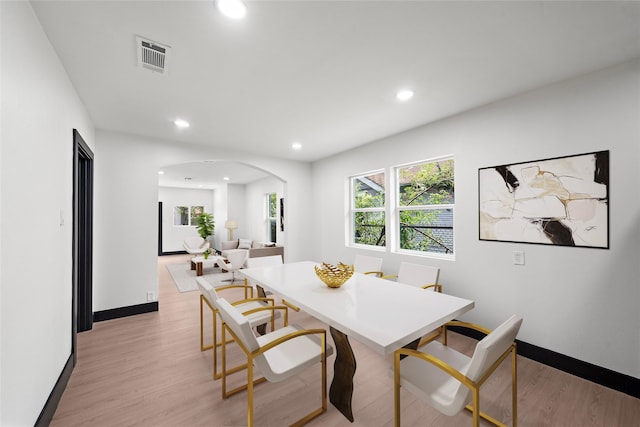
(82,246)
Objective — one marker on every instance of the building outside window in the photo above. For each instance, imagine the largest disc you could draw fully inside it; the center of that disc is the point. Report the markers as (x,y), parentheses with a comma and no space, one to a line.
(368,224)
(424,206)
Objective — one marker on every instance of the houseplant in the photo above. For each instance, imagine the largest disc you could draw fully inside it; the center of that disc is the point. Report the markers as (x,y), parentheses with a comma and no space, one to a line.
(206,225)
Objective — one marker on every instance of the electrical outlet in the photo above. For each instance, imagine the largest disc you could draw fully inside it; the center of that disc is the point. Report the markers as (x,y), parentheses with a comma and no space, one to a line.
(518,257)
(151,296)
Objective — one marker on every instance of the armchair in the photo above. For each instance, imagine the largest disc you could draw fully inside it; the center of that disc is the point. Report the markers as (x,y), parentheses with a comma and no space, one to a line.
(424,276)
(249,307)
(195,245)
(237,258)
(278,355)
(450,381)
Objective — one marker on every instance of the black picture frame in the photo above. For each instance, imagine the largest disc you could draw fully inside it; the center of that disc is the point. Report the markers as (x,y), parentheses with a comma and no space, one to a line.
(561,201)
(282,214)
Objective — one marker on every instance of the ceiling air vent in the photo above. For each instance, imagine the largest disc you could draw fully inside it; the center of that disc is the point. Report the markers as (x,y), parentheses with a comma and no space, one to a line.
(153,56)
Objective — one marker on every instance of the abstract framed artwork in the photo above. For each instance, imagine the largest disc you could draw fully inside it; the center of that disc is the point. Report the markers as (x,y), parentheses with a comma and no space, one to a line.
(560,201)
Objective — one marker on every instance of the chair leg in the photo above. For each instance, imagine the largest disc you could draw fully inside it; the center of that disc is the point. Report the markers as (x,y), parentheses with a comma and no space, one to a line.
(249,393)
(476,407)
(203,347)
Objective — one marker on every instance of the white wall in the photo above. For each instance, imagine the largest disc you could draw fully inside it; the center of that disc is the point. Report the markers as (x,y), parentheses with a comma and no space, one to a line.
(173,236)
(256,214)
(39,109)
(576,301)
(125,252)
(235,211)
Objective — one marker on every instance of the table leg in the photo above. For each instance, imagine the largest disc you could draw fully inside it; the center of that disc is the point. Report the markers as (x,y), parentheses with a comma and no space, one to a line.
(198,269)
(262,329)
(344,367)
(193,265)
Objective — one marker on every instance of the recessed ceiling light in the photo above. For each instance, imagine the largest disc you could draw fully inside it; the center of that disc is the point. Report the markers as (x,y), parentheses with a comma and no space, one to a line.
(233,9)
(160,172)
(226,178)
(296,146)
(181,123)
(404,94)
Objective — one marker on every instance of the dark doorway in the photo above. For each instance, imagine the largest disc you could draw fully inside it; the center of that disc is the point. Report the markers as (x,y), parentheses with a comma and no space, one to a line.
(82,237)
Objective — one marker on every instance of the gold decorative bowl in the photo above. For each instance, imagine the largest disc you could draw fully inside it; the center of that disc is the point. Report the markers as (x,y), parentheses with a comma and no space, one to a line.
(334,276)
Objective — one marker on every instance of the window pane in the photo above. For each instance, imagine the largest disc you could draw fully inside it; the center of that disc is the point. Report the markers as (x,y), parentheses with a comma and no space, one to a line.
(196,211)
(272,205)
(429,230)
(369,191)
(427,184)
(369,228)
(181,215)
(272,230)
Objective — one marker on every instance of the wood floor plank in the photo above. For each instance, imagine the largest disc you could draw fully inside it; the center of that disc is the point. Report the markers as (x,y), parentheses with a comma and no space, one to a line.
(148,370)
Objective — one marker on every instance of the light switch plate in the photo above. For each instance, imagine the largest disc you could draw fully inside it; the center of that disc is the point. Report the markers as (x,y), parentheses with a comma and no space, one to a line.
(518,257)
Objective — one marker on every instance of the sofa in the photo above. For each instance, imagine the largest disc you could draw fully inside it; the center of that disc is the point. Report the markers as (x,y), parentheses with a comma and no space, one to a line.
(256,249)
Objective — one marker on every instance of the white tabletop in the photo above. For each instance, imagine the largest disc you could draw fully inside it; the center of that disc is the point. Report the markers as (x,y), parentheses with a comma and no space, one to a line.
(380,313)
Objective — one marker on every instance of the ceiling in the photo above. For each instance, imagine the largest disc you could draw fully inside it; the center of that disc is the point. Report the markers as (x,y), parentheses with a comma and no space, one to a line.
(323,73)
(208,175)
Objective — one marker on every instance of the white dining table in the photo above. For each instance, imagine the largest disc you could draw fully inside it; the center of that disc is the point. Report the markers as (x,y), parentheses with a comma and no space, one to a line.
(382,314)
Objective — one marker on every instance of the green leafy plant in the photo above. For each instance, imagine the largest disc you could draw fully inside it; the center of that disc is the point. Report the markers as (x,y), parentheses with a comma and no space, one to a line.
(206,225)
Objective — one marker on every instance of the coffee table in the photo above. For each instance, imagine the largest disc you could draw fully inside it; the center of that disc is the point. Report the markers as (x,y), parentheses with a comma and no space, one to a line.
(199,263)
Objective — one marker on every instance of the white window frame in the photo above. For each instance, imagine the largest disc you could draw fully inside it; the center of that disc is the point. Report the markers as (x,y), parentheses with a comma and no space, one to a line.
(353,210)
(394,228)
(189,211)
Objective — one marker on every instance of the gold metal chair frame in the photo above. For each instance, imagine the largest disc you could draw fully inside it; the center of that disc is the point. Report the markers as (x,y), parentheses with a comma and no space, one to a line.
(251,382)
(377,273)
(248,290)
(474,386)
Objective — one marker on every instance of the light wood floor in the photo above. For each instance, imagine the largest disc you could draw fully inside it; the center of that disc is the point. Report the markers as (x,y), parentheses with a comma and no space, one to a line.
(147,370)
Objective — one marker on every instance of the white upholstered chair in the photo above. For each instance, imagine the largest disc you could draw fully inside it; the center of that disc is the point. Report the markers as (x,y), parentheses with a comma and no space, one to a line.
(278,355)
(450,381)
(368,265)
(236,259)
(195,245)
(252,308)
(424,276)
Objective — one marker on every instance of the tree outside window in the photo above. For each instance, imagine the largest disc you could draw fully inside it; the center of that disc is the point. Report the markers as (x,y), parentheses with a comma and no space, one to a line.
(425,206)
(368,209)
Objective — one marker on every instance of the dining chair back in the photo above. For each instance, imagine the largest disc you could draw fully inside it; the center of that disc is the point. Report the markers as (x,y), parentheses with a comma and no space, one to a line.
(263,262)
(418,275)
(252,308)
(448,380)
(368,265)
(278,355)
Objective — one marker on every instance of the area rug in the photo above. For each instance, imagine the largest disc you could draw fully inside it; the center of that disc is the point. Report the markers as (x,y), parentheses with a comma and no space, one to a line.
(185,278)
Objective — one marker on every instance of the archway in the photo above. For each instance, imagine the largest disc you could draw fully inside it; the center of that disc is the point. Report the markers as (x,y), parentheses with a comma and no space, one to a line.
(227,189)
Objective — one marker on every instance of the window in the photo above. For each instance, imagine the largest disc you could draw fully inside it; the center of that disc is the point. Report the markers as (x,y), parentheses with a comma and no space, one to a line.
(368,209)
(425,202)
(186,215)
(271,217)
